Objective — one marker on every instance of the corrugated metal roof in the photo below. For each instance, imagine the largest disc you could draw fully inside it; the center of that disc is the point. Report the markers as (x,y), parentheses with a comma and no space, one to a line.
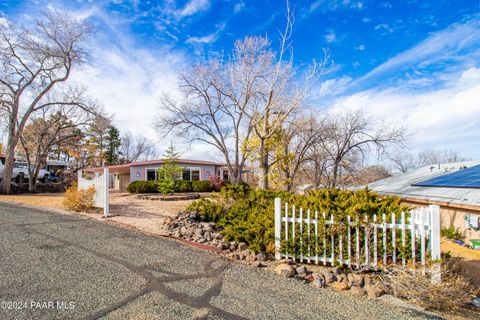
(401,185)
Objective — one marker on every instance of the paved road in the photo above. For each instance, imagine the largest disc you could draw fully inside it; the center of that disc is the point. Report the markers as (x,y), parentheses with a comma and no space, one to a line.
(59,266)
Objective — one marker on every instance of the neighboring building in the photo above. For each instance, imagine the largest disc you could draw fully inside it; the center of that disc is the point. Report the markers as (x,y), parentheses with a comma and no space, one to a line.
(455,187)
(193,170)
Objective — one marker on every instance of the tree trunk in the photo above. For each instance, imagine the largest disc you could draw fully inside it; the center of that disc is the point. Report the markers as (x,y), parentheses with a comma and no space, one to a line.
(264,166)
(5,186)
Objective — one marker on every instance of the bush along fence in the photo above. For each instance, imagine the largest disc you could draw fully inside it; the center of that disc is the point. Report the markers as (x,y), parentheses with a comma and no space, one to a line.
(411,239)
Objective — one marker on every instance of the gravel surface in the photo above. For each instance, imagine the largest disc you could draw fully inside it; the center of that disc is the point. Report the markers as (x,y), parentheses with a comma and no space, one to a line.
(51,260)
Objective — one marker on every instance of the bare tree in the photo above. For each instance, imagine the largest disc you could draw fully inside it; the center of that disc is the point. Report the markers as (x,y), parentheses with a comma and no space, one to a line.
(56,126)
(293,146)
(404,161)
(135,148)
(34,63)
(347,140)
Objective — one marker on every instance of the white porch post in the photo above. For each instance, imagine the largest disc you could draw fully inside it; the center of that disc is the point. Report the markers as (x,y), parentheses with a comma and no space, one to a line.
(435,242)
(106,182)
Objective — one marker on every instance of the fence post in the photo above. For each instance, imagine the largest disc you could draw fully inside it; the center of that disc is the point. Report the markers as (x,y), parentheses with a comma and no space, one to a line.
(278,227)
(435,242)
(106,182)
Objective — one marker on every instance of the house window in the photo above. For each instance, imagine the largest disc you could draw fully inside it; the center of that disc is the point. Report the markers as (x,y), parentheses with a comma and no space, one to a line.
(151,174)
(225,175)
(186,174)
(195,175)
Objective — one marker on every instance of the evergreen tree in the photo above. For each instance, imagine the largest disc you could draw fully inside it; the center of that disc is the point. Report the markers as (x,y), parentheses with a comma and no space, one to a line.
(112,145)
(169,171)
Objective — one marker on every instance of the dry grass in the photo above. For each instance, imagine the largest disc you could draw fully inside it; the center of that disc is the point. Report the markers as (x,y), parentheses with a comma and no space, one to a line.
(48,200)
(452,293)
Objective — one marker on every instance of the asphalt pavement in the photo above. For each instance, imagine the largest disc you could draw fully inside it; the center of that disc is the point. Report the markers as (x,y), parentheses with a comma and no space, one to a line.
(64,266)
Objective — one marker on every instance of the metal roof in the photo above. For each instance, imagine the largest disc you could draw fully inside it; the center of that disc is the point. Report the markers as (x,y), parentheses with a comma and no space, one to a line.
(404,185)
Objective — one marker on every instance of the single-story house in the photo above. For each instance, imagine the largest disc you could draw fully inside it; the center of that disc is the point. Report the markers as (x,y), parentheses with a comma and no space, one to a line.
(455,187)
(123,174)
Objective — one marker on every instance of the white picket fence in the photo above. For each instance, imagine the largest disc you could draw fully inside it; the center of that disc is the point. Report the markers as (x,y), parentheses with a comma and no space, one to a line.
(422,225)
(100,182)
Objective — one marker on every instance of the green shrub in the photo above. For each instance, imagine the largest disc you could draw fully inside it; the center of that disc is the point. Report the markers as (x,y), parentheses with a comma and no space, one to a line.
(168,186)
(183,186)
(202,186)
(451,233)
(248,215)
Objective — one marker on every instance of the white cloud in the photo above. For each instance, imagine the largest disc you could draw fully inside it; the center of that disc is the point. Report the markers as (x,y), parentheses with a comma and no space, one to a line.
(332,87)
(360,47)
(239,6)
(330,37)
(209,38)
(439,46)
(357,5)
(192,7)
(445,118)
(385,27)
(4,22)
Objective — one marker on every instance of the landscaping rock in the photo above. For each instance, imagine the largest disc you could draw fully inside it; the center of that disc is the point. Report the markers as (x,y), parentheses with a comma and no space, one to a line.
(302,269)
(317,275)
(261,256)
(357,291)
(309,278)
(341,286)
(285,270)
(300,276)
(250,258)
(329,277)
(374,290)
(337,271)
(222,246)
(356,279)
(342,278)
(258,264)
(318,283)
(242,246)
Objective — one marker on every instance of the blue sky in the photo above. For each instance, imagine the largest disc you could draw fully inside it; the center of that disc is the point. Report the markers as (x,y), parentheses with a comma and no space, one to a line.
(410,63)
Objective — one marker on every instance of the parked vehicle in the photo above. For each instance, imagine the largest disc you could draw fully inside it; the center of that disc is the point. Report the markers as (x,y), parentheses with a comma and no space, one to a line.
(20,171)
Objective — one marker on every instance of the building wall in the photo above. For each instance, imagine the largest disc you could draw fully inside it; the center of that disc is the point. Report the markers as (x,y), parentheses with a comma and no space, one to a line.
(138,173)
(452,215)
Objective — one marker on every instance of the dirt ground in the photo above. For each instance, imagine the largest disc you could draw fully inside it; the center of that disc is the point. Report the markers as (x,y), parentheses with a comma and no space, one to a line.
(144,215)
(470,259)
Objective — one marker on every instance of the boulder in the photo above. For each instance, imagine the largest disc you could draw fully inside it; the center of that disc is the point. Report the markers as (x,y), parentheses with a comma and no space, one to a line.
(261,256)
(258,264)
(341,286)
(242,246)
(318,283)
(357,291)
(302,269)
(285,270)
(317,275)
(222,246)
(356,279)
(374,290)
(329,277)
(309,278)
(300,276)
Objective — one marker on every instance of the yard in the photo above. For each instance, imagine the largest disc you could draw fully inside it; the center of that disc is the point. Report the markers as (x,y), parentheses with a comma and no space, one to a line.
(144,215)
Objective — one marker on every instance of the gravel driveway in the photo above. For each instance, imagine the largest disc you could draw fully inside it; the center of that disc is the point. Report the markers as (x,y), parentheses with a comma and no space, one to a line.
(60,266)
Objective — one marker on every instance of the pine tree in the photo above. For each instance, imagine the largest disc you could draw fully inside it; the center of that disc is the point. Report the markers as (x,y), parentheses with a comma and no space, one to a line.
(112,145)
(169,171)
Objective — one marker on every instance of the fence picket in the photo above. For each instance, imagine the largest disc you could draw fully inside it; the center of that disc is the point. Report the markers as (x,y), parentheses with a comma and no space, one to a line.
(413,240)
(324,239)
(403,239)
(375,246)
(301,234)
(316,236)
(293,230)
(308,236)
(332,238)
(384,218)
(367,249)
(357,253)
(394,239)
(286,228)
(349,245)
(422,235)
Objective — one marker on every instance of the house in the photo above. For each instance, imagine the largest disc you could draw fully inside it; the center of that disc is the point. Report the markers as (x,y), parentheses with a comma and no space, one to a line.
(123,174)
(455,187)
